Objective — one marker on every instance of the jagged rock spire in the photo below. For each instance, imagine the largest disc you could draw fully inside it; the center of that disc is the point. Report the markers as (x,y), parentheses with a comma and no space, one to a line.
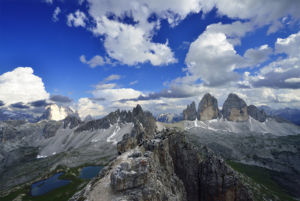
(235,108)
(208,108)
(256,114)
(190,112)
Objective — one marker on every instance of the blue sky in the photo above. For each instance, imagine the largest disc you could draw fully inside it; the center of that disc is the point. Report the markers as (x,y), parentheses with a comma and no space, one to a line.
(161,55)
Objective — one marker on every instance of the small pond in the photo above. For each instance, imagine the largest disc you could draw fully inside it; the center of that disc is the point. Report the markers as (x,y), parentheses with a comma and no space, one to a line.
(89,172)
(44,186)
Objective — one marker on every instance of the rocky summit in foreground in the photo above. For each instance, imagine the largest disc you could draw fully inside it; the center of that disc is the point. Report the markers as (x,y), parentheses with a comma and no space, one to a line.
(162,165)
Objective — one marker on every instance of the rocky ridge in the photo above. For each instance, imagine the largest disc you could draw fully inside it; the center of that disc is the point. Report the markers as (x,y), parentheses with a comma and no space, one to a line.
(234,109)
(57,113)
(70,142)
(257,114)
(118,116)
(163,165)
(190,112)
(283,114)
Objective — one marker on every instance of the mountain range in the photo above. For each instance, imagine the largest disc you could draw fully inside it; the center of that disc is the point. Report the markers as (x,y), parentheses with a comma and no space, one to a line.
(49,112)
(289,114)
(144,159)
(261,112)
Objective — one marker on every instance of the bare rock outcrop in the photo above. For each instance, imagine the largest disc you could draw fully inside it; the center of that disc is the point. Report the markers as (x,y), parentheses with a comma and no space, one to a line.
(218,182)
(208,108)
(163,166)
(166,167)
(205,176)
(235,108)
(143,173)
(144,127)
(256,114)
(190,112)
(71,122)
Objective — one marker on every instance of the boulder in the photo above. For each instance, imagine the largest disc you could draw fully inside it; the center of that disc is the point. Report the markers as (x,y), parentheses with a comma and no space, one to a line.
(130,175)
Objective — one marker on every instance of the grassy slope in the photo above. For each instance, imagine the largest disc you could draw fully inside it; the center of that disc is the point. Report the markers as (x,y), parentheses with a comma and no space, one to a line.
(263,177)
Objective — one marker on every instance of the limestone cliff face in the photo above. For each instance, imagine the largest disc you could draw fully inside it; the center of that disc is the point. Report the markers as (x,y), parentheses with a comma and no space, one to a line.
(235,109)
(143,173)
(190,112)
(208,108)
(144,128)
(205,176)
(164,166)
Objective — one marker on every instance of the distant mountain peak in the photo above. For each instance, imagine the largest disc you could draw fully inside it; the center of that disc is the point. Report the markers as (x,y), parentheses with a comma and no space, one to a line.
(57,113)
(190,113)
(257,114)
(235,108)
(169,117)
(284,114)
(208,108)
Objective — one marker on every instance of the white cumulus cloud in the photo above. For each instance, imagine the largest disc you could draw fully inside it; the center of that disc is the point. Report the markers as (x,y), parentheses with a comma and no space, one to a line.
(212,59)
(134,82)
(256,56)
(112,78)
(115,94)
(76,19)
(289,45)
(49,1)
(284,72)
(21,85)
(131,44)
(88,107)
(293,80)
(97,60)
(55,14)
(259,12)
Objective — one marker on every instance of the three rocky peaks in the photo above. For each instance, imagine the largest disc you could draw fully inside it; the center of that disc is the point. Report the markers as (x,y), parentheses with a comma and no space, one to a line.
(234,109)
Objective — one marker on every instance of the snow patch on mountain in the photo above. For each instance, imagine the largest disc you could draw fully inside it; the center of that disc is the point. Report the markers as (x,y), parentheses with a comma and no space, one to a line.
(270,126)
(67,139)
(113,136)
(57,113)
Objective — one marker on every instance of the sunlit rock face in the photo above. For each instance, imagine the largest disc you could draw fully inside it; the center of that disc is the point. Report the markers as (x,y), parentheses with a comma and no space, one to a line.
(208,108)
(56,113)
(235,109)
